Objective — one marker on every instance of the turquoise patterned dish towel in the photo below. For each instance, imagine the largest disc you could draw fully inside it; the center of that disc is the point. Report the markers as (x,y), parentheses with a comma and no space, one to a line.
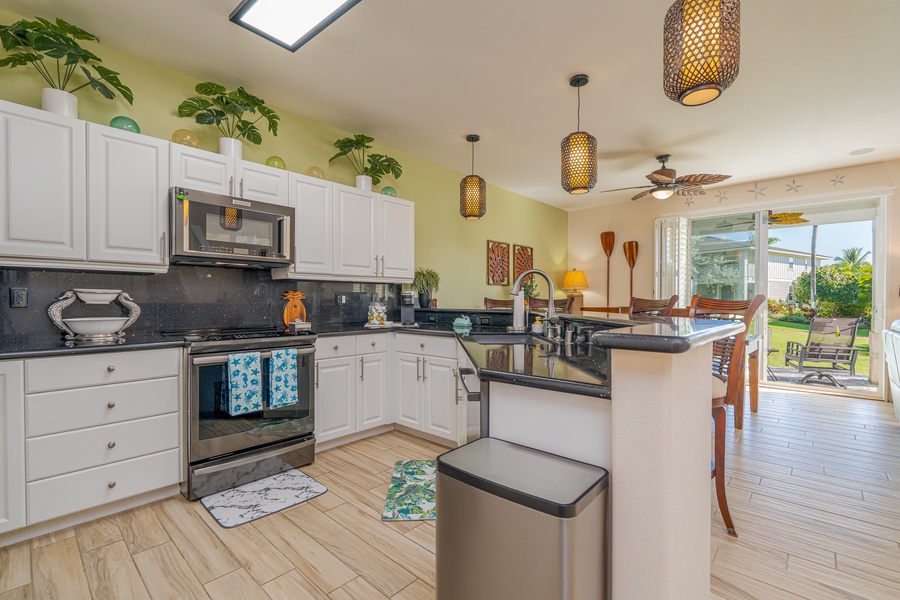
(244,385)
(283,378)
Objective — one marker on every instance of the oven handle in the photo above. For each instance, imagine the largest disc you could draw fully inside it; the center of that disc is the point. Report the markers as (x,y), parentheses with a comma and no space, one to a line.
(219,359)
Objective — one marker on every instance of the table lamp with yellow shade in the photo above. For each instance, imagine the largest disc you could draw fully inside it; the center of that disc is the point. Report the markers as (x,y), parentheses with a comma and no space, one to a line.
(573,281)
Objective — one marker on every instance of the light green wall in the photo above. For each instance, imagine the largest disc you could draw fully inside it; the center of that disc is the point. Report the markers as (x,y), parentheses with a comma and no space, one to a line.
(454,247)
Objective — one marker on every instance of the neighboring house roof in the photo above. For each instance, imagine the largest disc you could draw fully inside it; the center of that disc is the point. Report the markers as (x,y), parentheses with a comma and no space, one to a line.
(710,243)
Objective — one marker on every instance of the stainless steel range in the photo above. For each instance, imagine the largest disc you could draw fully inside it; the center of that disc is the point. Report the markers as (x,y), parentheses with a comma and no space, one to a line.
(227,443)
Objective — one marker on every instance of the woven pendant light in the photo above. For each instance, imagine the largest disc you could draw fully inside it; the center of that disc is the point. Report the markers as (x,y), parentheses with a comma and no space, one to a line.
(578,152)
(701,49)
(472,190)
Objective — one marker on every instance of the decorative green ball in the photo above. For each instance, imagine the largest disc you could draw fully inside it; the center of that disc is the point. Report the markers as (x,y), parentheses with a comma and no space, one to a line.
(389,191)
(125,123)
(276,161)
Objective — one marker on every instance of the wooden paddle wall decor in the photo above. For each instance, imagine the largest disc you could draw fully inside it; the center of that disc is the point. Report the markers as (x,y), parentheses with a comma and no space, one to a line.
(608,241)
(497,263)
(631,254)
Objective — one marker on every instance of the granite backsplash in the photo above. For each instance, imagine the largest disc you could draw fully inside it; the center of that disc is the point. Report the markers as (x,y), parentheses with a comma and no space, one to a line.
(188,297)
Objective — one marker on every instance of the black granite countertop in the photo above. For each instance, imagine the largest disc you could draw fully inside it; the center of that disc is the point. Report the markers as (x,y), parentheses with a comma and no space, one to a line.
(656,334)
(45,345)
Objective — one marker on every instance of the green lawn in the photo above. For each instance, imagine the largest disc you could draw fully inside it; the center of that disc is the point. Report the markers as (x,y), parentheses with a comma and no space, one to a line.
(781,332)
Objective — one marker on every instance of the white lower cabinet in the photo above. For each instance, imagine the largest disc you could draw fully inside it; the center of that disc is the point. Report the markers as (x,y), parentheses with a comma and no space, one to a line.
(424,381)
(12,446)
(101,428)
(351,389)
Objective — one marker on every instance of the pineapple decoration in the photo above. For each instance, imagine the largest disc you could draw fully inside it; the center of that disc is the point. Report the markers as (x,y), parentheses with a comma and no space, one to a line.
(293,308)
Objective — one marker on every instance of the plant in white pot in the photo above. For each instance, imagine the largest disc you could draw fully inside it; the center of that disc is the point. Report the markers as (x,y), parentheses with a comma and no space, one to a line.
(370,168)
(53,50)
(231,112)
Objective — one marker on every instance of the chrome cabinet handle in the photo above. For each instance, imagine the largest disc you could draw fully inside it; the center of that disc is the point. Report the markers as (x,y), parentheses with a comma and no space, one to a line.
(362,370)
(111,445)
(424,365)
(163,249)
(111,368)
(418,376)
(242,187)
(231,186)
(111,484)
(317,375)
(110,405)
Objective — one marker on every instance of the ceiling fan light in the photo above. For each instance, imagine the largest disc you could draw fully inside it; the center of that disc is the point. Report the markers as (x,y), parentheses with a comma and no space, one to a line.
(578,162)
(701,49)
(662,193)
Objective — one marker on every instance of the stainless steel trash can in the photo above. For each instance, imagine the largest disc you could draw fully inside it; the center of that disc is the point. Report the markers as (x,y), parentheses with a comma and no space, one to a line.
(517,523)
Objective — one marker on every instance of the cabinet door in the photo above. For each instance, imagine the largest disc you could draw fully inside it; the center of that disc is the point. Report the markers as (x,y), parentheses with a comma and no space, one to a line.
(201,170)
(262,183)
(42,184)
(354,240)
(313,202)
(335,397)
(408,390)
(127,196)
(371,409)
(12,446)
(439,382)
(397,243)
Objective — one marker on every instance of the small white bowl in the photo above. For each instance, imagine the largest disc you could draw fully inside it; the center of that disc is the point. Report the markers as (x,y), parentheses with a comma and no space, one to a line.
(95,325)
(96,296)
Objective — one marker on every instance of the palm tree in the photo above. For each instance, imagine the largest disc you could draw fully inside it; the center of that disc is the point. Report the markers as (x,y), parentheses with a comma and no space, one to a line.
(851,259)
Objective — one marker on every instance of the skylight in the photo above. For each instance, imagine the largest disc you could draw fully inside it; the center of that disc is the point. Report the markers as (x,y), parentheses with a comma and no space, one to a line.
(289,23)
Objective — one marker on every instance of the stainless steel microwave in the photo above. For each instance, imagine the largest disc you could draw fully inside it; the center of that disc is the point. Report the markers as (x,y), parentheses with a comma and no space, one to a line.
(215,229)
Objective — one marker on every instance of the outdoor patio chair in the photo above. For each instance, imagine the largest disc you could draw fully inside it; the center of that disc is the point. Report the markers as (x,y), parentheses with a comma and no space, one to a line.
(830,341)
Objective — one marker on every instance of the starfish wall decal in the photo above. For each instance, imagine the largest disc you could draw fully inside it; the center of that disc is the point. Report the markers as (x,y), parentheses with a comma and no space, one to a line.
(837,179)
(757,191)
(688,201)
(793,186)
(722,195)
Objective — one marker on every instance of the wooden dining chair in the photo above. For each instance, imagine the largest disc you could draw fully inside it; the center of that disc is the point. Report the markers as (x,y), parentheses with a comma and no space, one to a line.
(498,303)
(727,375)
(650,307)
(605,309)
(561,304)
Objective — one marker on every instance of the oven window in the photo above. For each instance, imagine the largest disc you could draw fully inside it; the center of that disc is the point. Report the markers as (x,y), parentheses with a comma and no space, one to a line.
(213,395)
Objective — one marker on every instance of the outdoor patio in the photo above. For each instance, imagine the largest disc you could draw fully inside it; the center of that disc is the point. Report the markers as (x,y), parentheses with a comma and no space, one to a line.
(858,382)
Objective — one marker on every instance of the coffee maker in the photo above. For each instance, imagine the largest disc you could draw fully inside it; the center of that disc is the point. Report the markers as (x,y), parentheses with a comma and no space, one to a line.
(407,308)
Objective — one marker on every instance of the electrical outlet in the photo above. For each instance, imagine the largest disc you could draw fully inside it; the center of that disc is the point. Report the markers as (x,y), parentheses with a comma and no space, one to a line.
(18,297)
(340,299)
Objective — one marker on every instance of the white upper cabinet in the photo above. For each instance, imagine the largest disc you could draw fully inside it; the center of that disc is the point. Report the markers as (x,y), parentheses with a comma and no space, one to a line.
(355,219)
(397,242)
(128,179)
(210,172)
(313,204)
(42,184)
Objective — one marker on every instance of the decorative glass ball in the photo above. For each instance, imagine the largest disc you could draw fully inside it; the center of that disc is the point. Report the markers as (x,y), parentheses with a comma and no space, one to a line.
(389,191)
(186,137)
(276,161)
(316,172)
(126,123)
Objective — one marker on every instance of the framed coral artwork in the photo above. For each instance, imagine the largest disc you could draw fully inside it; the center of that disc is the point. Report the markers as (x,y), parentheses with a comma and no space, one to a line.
(523,260)
(497,263)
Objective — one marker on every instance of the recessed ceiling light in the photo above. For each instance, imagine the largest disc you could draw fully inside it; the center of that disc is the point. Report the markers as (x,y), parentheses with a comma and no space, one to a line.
(862,151)
(289,23)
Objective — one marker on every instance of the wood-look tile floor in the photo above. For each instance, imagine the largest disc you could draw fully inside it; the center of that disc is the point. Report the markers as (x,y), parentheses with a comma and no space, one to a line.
(814,488)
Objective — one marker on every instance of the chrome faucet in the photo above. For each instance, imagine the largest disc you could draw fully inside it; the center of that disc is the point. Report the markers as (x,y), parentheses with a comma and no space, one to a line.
(552,317)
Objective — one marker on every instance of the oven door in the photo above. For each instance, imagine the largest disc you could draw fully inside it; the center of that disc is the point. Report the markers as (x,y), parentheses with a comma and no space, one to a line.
(214,432)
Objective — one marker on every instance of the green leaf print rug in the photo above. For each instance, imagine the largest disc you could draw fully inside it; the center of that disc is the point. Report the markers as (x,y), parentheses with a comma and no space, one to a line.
(410,496)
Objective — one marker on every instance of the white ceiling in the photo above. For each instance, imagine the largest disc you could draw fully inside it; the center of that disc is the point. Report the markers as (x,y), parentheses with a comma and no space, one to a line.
(818,79)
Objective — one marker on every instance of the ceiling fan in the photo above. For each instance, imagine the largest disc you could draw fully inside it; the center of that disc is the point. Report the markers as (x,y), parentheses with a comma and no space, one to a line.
(665,183)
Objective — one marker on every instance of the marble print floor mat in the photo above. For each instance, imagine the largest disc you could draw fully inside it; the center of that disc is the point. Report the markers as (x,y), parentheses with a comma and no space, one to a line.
(257,499)
(411,495)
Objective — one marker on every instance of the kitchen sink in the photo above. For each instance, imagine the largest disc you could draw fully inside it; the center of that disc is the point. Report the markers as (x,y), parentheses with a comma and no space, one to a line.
(526,339)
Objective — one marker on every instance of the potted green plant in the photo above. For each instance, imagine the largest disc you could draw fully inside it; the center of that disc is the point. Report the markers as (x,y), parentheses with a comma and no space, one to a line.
(425,282)
(226,110)
(370,168)
(53,50)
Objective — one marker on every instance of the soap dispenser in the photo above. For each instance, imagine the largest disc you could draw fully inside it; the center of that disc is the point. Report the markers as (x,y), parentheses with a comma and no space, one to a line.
(537,327)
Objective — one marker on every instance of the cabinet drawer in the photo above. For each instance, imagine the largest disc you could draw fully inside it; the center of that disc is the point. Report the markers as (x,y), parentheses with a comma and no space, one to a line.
(431,345)
(45,374)
(336,347)
(60,453)
(371,343)
(66,494)
(53,412)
